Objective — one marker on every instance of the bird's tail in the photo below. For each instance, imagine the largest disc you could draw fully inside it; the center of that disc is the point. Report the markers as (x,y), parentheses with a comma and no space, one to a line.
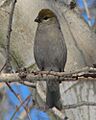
(53,94)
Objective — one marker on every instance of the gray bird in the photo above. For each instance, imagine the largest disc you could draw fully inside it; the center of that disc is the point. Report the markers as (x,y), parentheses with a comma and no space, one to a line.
(50,52)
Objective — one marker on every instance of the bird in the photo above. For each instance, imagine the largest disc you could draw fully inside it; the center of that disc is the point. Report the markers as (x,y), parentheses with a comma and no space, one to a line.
(50,52)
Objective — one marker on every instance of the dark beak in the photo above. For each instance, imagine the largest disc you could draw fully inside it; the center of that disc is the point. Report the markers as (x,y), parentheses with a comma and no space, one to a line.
(37,20)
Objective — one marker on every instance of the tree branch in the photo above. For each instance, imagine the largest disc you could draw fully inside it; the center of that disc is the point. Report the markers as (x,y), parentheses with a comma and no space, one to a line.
(83,103)
(84,74)
(22,103)
(8,66)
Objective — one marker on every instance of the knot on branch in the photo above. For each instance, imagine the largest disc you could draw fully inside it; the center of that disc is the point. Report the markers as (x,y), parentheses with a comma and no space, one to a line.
(22,73)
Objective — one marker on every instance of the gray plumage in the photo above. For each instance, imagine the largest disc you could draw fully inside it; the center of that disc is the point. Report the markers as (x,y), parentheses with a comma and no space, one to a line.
(50,52)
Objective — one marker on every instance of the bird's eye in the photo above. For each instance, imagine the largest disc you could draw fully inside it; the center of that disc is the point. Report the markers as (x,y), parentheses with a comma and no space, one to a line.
(46,18)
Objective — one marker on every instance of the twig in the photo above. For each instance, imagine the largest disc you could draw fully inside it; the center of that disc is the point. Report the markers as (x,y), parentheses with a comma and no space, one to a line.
(20,107)
(69,88)
(32,85)
(8,65)
(2,67)
(22,116)
(12,90)
(19,98)
(87,12)
(83,103)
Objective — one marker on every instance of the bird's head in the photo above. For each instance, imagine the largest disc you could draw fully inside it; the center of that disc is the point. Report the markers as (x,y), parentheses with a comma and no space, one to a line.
(45,15)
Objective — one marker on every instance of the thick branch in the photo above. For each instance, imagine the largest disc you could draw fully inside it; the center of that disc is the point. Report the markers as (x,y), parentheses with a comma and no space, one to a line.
(84,74)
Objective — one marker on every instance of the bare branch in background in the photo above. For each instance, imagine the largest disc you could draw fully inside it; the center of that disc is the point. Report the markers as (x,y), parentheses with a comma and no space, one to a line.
(83,103)
(8,66)
(18,108)
(19,98)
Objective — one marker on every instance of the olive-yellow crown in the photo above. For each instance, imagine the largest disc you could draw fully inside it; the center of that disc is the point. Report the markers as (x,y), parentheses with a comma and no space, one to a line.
(44,14)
